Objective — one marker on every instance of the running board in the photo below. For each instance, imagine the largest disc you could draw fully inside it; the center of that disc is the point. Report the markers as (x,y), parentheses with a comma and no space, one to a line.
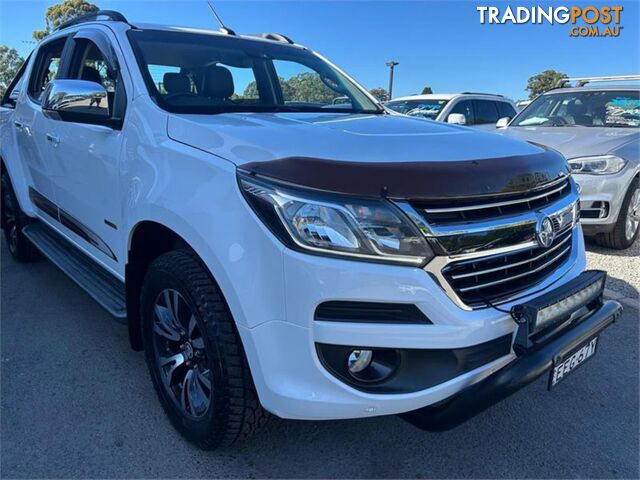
(101,285)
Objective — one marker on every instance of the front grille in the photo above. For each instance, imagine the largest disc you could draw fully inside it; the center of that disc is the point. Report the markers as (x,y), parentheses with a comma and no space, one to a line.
(479,209)
(496,278)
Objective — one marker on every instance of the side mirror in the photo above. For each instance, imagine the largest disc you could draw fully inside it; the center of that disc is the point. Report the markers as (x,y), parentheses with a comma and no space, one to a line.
(76,101)
(457,119)
(503,122)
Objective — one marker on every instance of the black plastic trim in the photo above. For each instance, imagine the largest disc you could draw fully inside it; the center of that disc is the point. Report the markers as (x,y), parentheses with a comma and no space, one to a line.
(412,370)
(513,377)
(370,312)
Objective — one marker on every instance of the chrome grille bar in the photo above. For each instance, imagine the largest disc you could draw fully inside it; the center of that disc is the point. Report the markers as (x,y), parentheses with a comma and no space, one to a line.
(515,277)
(512,265)
(497,204)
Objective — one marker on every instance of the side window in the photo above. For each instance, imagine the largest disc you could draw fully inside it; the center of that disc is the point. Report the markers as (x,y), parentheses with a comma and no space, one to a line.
(466,108)
(486,111)
(93,67)
(15,87)
(505,110)
(45,67)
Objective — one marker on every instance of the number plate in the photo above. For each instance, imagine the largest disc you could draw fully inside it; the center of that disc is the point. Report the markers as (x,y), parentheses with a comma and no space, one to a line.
(570,362)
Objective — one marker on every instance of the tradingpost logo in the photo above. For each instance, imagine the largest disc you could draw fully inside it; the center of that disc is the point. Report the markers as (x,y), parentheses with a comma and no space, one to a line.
(586,21)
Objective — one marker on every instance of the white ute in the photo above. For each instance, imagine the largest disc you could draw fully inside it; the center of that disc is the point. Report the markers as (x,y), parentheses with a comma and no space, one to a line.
(274,247)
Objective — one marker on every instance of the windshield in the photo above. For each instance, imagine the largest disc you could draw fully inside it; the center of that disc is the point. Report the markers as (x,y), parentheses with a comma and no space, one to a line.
(584,108)
(418,108)
(205,73)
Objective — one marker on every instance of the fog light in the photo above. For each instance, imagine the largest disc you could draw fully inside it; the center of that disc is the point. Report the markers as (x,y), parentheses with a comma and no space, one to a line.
(359,360)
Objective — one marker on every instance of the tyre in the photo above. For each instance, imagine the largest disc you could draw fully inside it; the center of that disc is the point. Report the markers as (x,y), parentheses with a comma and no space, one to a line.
(13,221)
(627,225)
(194,354)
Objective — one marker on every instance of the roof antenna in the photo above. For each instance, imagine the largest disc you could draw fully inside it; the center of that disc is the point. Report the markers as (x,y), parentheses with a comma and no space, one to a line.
(223,29)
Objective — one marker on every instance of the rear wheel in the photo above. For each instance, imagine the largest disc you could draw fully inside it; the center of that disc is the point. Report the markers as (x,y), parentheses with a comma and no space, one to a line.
(627,225)
(13,221)
(194,354)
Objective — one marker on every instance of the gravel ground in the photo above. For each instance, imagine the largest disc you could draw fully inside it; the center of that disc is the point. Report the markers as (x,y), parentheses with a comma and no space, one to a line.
(77,402)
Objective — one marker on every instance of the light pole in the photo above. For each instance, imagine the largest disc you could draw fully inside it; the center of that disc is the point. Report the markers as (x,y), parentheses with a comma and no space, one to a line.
(391,66)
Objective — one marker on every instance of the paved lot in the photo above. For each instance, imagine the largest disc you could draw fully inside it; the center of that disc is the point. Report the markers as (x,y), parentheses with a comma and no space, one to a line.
(77,402)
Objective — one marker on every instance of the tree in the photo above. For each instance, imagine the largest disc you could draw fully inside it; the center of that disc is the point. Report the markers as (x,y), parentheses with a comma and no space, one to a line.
(61,12)
(380,93)
(427,91)
(10,62)
(542,82)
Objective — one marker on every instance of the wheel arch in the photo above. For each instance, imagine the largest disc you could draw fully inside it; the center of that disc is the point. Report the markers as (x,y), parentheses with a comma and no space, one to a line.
(147,240)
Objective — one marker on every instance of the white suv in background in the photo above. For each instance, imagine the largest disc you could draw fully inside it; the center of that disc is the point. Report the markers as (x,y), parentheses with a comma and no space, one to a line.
(481,110)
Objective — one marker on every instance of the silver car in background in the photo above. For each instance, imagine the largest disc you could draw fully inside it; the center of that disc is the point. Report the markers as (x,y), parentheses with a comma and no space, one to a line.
(598,130)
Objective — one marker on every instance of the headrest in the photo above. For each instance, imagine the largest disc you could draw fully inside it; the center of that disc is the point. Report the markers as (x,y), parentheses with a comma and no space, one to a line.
(90,74)
(576,108)
(218,82)
(176,83)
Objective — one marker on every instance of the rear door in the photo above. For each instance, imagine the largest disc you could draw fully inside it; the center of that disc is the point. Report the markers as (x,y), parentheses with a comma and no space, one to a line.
(31,130)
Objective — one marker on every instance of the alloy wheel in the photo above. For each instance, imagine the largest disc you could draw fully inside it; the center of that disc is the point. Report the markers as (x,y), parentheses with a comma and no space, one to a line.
(180,354)
(633,215)
(10,221)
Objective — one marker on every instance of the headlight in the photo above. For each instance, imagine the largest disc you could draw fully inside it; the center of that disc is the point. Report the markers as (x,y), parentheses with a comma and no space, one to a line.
(332,224)
(597,165)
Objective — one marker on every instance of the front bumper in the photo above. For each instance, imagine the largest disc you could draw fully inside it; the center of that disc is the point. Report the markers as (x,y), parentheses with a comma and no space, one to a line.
(521,372)
(601,198)
(290,378)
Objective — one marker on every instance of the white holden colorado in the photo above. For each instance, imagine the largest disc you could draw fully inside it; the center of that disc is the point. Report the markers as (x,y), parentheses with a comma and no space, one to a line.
(277,242)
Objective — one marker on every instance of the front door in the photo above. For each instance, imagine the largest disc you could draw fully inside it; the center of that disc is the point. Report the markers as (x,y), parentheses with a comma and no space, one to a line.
(86,167)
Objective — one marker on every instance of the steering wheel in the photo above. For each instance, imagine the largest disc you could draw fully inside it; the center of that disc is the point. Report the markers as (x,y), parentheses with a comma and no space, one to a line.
(557,120)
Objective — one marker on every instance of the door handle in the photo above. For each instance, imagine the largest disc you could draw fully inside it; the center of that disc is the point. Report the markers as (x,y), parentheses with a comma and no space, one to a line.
(55,141)
(18,125)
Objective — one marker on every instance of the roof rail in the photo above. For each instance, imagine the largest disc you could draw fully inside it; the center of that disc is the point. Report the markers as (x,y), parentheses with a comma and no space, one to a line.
(90,17)
(278,37)
(482,93)
(582,81)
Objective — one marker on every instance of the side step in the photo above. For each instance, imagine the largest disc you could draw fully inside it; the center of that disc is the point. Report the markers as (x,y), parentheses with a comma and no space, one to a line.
(101,285)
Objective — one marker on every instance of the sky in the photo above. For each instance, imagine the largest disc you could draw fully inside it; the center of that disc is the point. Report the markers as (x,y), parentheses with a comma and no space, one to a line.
(441,44)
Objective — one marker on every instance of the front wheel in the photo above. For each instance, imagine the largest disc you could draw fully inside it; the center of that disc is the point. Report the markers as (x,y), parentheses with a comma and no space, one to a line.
(627,225)
(194,354)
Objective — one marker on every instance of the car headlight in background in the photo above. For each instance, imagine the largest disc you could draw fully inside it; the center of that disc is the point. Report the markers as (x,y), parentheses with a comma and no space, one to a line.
(332,224)
(597,165)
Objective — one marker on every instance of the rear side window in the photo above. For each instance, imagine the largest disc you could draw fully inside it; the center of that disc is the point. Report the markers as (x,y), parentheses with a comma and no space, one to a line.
(506,110)
(486,111)
(464,107)
(45,67)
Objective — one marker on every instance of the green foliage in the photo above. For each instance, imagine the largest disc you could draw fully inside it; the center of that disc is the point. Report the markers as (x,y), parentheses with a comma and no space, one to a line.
(10,63)
(61,12)
(303,87)
(426,91)
(380,93)
(542,82)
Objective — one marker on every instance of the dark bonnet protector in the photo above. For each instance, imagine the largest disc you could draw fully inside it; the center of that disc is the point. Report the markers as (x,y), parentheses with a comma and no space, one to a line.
(417,180)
